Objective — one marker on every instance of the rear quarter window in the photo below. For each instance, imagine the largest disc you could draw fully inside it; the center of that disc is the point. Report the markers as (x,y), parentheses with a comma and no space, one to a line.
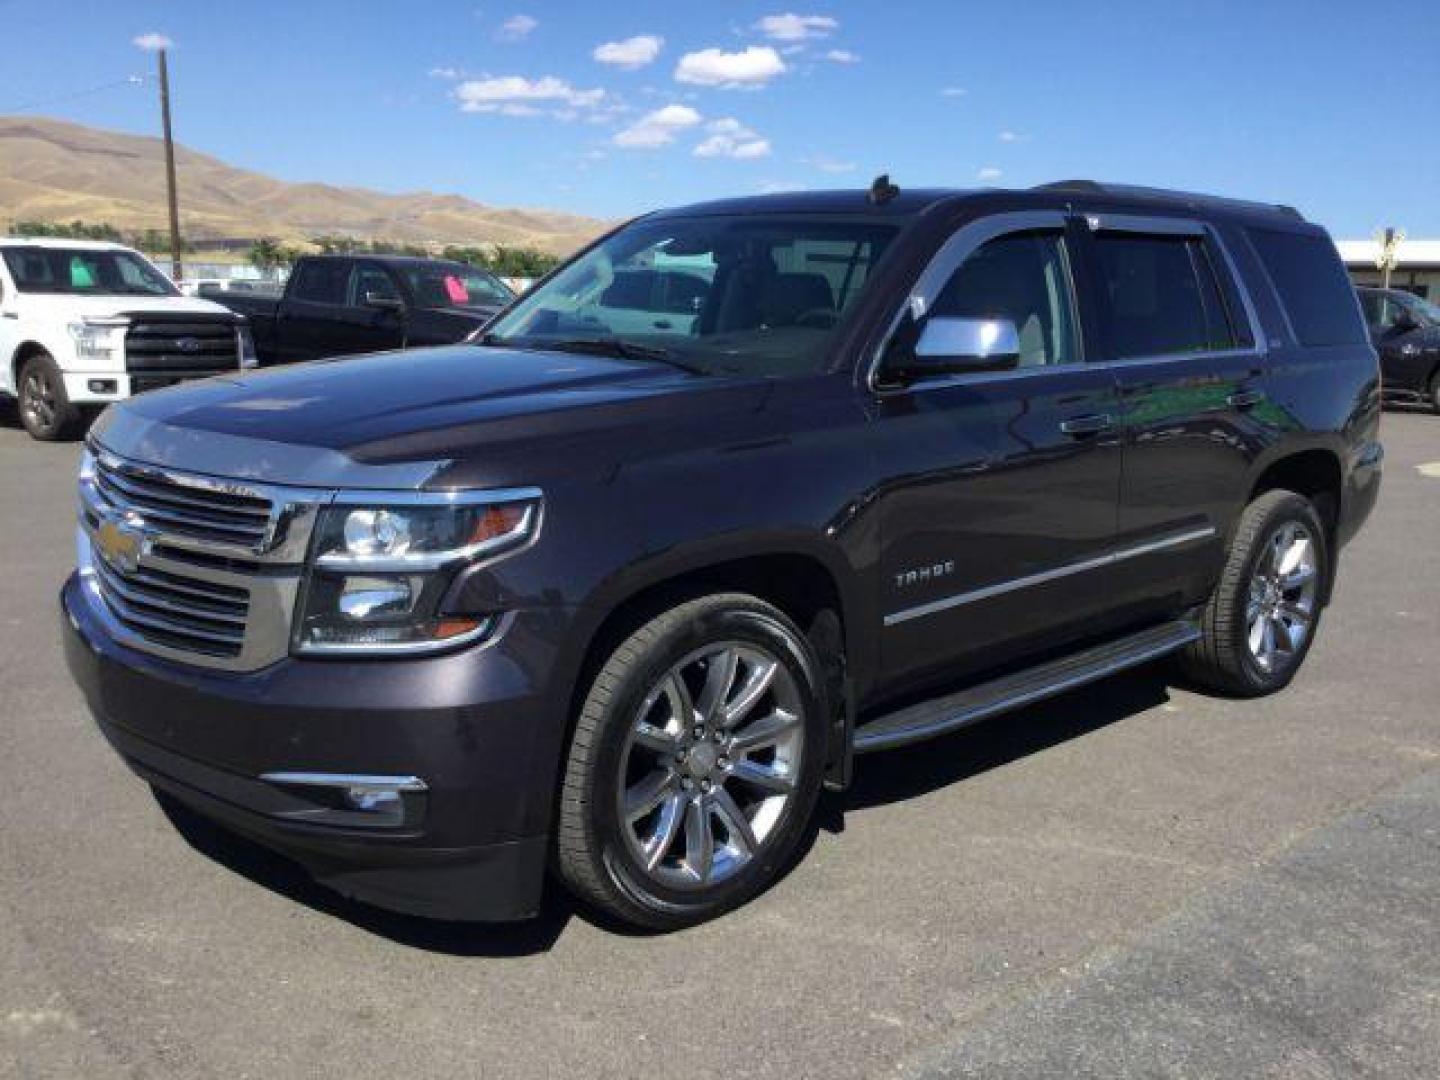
(1313,286)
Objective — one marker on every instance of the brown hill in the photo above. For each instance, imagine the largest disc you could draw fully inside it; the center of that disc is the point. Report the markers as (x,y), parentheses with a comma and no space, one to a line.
(51,170)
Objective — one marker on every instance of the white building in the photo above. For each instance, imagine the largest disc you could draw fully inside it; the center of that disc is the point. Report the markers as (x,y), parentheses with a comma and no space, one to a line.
(1417,269)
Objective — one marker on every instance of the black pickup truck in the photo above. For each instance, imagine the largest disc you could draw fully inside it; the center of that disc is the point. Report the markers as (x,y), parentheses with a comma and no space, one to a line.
(615,596)
(340,305)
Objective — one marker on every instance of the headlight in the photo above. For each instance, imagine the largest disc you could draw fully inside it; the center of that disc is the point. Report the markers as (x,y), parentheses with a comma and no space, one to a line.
(379,571)
(246,341)
(96,339)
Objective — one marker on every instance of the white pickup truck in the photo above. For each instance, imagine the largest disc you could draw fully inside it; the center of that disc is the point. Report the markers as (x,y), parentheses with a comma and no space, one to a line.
(85,323)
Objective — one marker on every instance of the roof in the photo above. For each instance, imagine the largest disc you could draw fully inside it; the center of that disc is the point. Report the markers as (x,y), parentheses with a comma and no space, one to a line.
(1084,194)
(60,242)
(1361,254)
(402,260)
(851,201)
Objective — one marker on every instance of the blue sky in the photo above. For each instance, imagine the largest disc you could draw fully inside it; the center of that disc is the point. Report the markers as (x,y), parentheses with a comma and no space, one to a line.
(1334,107)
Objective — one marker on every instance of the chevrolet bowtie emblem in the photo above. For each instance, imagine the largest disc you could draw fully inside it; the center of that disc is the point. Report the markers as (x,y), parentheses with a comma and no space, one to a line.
(121,543)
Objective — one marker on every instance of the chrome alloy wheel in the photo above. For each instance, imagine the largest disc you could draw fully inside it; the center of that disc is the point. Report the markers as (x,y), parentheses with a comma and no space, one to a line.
(710,764)
(37,398)
(1283,595)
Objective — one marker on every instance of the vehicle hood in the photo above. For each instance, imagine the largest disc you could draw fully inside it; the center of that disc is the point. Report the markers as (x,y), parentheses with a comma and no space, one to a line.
(399,419)
(68,307)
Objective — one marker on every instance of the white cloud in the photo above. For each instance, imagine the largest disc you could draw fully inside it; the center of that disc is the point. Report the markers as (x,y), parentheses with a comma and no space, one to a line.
(444,73)
(515,95)
(831,165)
(989,173)
(779,187)
(631,53)
(752,67)
(152,42)
(1008,136)
(954,91)
(517,27)
(658,128)
(790,27)
(731,139)
(842,56)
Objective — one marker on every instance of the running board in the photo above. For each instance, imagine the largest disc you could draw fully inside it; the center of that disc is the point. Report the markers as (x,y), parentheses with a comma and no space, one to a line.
(940,716)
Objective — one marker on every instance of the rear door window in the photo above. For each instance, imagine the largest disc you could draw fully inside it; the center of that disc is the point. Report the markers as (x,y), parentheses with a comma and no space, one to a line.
(1313,286)
(1163,296)
(322,281)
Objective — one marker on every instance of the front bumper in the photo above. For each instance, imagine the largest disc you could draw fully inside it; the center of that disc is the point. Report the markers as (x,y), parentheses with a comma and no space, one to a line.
(470,725)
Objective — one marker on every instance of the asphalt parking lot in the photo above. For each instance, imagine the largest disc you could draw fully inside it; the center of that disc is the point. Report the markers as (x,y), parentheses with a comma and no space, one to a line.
(1133,880)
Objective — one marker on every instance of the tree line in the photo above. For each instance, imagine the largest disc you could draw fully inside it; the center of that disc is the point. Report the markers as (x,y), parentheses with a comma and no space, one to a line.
(269,254)
(152,241)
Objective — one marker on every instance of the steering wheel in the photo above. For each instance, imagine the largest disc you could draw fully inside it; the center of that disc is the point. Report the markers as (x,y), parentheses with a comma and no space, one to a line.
(818,318)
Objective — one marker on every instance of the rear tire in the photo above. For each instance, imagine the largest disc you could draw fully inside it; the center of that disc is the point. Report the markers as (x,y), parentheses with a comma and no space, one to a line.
(1260,622)
(1435,392)
(45,409)
(695,764)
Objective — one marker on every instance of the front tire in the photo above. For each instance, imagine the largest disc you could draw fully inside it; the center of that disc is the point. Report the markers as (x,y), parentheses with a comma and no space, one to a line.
(45,408)
(695,764)
(1260,622)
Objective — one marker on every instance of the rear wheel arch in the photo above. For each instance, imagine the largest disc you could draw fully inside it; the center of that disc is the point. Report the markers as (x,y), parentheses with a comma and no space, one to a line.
(1314,473)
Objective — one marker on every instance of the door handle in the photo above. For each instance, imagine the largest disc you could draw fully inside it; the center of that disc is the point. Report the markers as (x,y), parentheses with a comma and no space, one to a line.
(1245,399)
(1087,425)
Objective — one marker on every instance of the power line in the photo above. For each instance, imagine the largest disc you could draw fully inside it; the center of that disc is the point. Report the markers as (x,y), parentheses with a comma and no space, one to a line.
(129,80)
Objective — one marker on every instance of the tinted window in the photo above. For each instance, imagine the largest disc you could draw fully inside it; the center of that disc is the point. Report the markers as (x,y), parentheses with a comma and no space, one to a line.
(322,281)
(371,280)
(444,285)
(1163,296)
(1312,285)
(758,294)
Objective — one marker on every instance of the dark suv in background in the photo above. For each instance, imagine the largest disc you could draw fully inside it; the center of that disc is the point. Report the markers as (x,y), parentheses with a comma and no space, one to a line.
(616,595)
(1406,331)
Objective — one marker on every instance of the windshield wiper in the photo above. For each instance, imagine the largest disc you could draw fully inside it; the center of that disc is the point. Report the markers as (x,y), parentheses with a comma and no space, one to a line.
(607,346)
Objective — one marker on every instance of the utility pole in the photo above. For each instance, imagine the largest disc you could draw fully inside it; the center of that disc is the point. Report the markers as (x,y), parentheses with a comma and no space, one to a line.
(176,270)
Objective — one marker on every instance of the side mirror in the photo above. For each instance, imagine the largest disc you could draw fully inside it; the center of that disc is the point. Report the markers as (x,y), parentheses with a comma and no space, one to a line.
(958,347)
(384,302)
(1403,322)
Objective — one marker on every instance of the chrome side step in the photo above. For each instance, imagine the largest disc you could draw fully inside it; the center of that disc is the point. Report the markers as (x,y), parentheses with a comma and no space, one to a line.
(939,716)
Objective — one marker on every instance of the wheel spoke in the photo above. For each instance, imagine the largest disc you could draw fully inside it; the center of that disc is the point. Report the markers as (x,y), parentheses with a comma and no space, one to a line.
(682,708)
(699,840)
(719,677)
(647,794)
(1294,554)
(1267,641)
(657,740)
(1294,613)
(736,823)
(1297,578)
(1257,634)
(757,682)
(672,820)
(764,776)
(765,731)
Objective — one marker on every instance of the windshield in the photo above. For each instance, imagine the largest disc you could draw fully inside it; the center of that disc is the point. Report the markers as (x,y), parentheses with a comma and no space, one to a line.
(755,295)
(1423,309)
(85,272)
(455,285)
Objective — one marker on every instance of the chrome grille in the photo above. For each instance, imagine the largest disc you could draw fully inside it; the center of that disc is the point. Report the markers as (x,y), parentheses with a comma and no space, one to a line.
(188,345)
(199,511)
(193,568)
(179,612)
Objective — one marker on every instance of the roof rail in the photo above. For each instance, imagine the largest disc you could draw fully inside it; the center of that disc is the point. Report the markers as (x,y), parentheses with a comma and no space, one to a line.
(1094,187)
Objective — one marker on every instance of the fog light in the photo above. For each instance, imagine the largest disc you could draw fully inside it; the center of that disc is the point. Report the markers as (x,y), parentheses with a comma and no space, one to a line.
(102,386)
(349,799)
